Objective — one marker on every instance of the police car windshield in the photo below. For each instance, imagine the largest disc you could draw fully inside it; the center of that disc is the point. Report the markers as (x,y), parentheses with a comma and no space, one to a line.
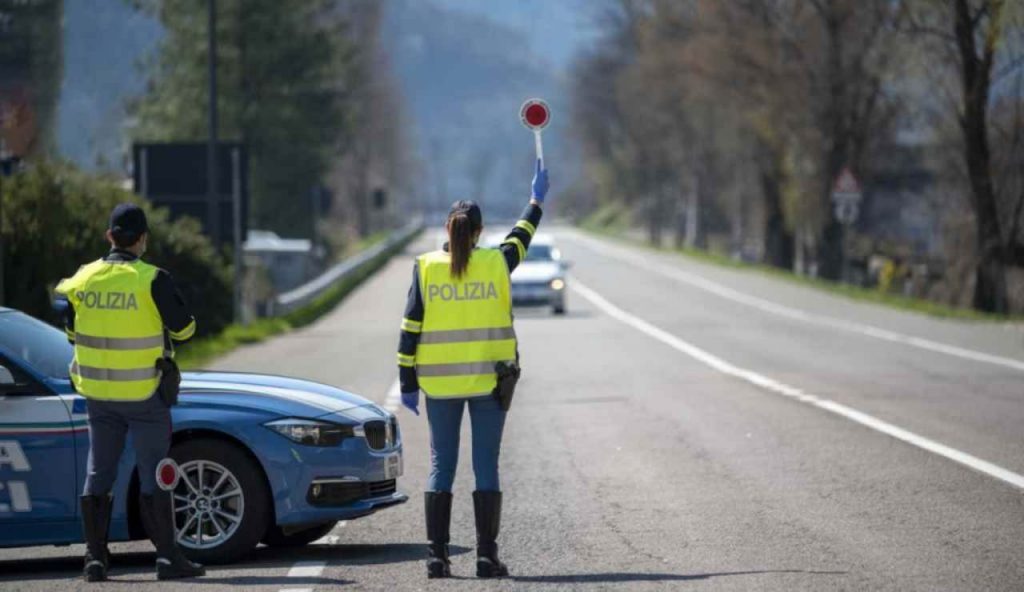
(35,343)
(539,253)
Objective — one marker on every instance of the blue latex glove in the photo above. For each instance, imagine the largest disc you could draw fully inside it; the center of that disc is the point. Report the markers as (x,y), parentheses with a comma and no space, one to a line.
(411,401)
(540,183)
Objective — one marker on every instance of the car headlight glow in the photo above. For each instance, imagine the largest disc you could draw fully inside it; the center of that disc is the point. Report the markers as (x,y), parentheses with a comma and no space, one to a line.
(311,432)
(557,284)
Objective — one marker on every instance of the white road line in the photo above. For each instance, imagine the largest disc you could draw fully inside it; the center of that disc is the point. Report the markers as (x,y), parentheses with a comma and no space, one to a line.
(307,569)
(796,314)
(393,400)
(779,388)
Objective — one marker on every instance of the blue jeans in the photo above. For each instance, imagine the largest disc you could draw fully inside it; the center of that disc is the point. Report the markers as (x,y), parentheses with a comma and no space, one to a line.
(445,419)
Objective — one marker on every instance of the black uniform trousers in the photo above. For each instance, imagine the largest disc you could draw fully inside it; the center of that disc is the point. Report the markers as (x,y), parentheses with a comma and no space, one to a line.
(110,422)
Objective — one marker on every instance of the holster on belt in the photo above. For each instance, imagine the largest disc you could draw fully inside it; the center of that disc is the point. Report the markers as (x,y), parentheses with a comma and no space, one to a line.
(508,376)
(170,380)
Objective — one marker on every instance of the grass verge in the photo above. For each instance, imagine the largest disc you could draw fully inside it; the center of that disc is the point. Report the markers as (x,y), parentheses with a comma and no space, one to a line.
(917,305)
(199,352)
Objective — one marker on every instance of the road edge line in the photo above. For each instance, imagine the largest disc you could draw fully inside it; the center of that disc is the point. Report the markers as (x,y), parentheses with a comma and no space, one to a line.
(772,385)
(792,313)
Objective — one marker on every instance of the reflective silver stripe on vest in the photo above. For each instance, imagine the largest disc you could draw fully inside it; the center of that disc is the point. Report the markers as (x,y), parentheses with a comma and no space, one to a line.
(456,369)
(111,375)
(119,343)
(469,395)
(461,335)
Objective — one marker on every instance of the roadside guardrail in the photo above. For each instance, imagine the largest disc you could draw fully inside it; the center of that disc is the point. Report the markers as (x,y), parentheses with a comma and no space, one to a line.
(306,293)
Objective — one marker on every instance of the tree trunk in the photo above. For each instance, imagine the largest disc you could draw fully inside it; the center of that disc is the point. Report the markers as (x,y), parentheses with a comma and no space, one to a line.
(975,71)
(830,252)
(679,220)
(362,193)
(778,241)
(694,228)
(830,249)
(655,219)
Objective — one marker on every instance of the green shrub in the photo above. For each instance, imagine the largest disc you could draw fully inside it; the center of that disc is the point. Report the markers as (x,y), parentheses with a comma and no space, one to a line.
(54,220)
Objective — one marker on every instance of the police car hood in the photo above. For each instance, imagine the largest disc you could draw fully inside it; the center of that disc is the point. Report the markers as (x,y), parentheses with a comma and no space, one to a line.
(536,271)
(274,394)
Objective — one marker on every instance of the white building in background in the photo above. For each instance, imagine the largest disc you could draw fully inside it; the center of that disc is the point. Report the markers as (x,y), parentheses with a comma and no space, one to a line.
(289,262)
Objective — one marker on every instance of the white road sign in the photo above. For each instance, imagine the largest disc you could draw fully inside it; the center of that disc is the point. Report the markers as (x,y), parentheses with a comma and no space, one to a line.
(846,196)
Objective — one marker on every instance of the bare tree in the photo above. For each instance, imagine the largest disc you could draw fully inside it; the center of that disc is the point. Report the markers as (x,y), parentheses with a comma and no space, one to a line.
(974,33)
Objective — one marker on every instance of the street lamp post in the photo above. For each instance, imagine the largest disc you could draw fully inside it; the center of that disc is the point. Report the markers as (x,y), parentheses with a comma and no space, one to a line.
(6,162)
(212,199)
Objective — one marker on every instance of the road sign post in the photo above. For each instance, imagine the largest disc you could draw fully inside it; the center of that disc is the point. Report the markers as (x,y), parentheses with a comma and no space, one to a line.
(846,197)
(536,116)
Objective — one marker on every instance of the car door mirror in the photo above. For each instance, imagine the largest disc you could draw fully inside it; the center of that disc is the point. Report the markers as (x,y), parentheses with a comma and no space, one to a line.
(9,385)
(6,378)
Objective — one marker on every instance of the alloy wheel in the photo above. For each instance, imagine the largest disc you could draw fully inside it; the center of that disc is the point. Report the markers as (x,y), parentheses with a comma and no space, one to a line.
(208,504)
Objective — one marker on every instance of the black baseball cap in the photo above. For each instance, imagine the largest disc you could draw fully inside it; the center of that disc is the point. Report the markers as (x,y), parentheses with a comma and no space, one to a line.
(470,209)
(128,219)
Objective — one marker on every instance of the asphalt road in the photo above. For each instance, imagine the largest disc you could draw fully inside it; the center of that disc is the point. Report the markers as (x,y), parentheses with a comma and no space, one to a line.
(683,427)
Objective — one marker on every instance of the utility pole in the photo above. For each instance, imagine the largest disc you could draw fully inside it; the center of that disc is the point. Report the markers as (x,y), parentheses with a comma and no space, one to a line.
(212,199)
(8,164)
(236,210)
(3,174)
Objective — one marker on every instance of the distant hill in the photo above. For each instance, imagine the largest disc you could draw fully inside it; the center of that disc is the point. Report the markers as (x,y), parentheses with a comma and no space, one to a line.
(554,29)
(464,72)
(464,76)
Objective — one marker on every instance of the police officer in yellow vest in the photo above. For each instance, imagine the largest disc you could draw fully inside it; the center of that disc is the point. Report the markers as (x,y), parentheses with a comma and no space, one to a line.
(121,317)
(457,328)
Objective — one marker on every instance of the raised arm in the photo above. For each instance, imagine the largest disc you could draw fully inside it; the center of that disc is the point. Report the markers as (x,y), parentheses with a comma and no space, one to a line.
(517,242)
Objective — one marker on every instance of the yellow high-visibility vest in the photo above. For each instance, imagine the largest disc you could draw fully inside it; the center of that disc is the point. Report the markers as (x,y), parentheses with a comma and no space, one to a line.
(467,324)
(119,334)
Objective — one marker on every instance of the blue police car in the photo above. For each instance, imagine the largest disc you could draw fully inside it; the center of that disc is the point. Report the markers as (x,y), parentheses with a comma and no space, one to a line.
(263,458)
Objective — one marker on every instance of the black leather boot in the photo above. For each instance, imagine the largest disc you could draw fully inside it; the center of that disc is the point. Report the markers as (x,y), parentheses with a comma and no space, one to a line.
(158,519)
(487,507)
(96,526)
(438,510)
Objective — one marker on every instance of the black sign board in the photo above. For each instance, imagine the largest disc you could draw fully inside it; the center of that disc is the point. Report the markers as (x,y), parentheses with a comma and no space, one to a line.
(173,175)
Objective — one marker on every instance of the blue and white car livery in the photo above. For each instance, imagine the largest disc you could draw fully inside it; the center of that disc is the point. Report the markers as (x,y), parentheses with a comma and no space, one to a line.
(263,458)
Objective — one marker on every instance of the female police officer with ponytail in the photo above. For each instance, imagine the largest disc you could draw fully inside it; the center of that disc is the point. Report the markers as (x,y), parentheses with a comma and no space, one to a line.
(456,332)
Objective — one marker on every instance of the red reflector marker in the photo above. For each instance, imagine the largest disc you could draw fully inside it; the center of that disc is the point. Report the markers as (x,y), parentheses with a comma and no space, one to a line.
(167,474)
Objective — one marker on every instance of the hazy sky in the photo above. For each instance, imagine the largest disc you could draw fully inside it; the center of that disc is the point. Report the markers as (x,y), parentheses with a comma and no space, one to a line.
(555,28)
(105,40)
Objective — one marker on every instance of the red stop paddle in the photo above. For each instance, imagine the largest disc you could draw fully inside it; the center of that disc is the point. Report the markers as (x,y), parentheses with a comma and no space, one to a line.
(536,115)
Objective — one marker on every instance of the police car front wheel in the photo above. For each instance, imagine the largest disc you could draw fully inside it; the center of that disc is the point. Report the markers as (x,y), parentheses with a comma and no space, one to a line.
(221,504)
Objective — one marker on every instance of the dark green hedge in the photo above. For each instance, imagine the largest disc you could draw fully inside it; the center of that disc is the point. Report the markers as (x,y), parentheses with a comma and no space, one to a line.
(54,219)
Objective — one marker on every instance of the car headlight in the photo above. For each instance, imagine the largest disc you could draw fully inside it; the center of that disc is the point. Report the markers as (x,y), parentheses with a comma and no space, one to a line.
(311,432)
(557,284)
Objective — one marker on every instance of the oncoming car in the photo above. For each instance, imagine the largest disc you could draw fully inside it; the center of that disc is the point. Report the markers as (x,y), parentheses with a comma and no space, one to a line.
(263,458)
(540,278)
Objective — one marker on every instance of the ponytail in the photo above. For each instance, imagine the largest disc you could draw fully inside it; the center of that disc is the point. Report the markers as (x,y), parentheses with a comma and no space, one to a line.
(461,232)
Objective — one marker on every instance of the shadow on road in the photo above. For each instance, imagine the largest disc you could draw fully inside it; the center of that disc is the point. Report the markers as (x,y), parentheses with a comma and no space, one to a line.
(618,577)
(70,566)
(345,554)
(127,567)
